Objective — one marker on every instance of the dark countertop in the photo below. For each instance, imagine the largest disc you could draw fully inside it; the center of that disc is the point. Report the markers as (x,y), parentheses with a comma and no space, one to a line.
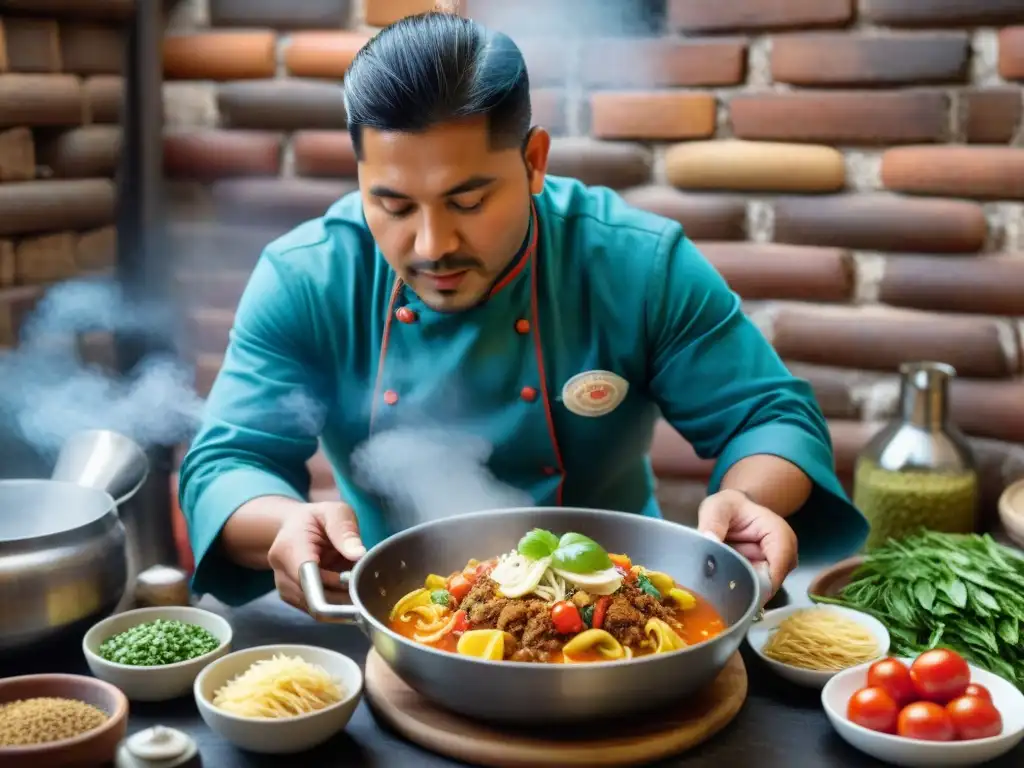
(780,725)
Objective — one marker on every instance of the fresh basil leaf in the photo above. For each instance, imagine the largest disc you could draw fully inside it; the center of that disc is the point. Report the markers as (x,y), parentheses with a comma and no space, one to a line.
(441,597)
(956,591)
(538,544)
(581,557)
(924,591)
(1009,631)
(575,538)
(984,599)
(587,614)
(646,585)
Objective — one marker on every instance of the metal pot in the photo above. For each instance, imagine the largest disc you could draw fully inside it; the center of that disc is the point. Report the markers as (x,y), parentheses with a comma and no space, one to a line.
(533,694)
(63,553)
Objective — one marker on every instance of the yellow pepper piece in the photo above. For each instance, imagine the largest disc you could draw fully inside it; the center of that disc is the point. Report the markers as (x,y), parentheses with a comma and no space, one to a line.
(661,581)
(483,644)
(415,598)
(683,599)
(435,582)
(596,639)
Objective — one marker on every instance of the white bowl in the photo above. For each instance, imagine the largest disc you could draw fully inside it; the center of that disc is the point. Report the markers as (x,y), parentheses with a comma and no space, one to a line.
(158,683)
(279,736)
(925,754)
(760,631)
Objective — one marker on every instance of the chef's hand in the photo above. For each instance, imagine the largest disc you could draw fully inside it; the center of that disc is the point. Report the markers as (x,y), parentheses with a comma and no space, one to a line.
(326,532)
(754,531)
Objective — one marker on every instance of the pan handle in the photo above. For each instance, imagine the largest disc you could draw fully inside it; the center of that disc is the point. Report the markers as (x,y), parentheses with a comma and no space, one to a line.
(764,587)
(316,601)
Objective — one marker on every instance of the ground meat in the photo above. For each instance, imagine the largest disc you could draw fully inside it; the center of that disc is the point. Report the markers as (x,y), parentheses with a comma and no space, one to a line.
(482,605)
(629,611)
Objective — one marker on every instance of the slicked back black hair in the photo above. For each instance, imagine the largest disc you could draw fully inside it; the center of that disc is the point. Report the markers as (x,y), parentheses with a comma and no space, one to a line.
(436,67)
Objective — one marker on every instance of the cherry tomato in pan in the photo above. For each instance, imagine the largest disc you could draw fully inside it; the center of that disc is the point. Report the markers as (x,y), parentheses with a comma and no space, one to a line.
(566,618)
(874,709)
(925,721)
(940,675)
(978,691)
(893,677)
(459,586)
(974,718)
(461,621)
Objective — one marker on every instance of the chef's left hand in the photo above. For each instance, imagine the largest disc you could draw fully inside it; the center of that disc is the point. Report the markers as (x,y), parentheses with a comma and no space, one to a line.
(754,531)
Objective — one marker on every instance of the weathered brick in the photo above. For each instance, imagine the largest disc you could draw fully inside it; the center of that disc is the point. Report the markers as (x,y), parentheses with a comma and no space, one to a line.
(704,217)
(833,388)
(841,59)
(80,153)
(104,97)
(881,222)
(765,271)
(982,172)
(1011,52)
(103,10)
(880,340)
(755,166)
(41,100)
(322,54)
(194,245)
(673,456)
(296,14)
(566,18)
(29,45)
(548,106)
(281,104)
(989,409)
(547,59)
(92,49)
(207,368)
(17,155)
(220,55)
(46,258)
(380,13)
(932,13)
(277,201)
(655,115)
(690,16)
(209,155)
(663,63)
(209,329)
(6,263)
(324,154)
(989,284)
(218,289)
(991,116)
(96,249)
(46,206)
(15,306)
(611,164)
(852,117)
(848,439)
(190,104)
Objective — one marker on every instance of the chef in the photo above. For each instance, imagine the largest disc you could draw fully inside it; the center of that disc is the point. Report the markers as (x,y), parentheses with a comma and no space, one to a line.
(465,284)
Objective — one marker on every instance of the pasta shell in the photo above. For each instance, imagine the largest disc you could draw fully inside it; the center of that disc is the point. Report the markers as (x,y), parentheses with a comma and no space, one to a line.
(661,581)
(664,637)
(415,598)
(682,598)
(434,632)
(483,644)
(597,640)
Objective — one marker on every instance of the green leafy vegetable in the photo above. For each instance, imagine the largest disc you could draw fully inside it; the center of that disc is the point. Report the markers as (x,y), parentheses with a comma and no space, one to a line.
(538,544)
(574,552)
(646,586)
(441,597)
(957,591)
(587,614)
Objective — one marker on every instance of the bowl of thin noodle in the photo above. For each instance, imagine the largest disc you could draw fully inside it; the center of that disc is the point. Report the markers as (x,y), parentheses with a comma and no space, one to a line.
(279,699)
(808,645)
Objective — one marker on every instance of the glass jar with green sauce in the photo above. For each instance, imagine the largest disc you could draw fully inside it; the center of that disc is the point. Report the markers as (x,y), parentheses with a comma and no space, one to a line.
(919,471)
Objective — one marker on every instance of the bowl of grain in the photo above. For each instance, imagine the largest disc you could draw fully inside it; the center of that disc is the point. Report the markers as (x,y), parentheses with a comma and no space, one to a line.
(279,699)
(155,654)
(51,721)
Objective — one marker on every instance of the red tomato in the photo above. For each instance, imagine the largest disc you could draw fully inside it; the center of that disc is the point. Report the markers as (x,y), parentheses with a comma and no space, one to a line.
(566,618)
(940,675)
(893,677)
(461,621)
(974,718)
(483,569)
(874,709)
(600,609)
(978,691)
(459,586)
(925,721)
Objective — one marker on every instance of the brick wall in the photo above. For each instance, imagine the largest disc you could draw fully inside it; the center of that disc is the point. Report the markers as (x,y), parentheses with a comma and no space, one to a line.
(60,98)
(855,170)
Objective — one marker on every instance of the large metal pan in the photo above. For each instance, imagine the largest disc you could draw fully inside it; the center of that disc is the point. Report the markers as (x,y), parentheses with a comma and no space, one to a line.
(527,693)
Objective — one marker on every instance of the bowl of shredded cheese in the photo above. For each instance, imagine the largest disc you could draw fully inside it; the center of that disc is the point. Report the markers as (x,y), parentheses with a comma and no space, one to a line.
(279,699)
(808,645)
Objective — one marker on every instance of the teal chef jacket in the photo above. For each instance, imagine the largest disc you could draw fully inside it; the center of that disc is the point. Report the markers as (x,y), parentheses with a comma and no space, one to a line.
(608,317)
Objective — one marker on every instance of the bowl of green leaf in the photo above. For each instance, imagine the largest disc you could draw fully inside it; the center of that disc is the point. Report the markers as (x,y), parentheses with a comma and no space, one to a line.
(964,592)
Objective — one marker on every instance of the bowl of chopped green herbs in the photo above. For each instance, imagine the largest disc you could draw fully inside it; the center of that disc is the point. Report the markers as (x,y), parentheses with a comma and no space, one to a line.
(155,654)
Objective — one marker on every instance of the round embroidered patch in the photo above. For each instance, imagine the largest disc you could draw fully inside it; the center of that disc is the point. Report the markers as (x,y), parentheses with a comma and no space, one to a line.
(594,393)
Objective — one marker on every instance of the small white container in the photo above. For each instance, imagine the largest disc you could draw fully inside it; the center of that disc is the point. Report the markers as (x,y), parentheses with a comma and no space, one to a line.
(759,632)
(913,753)
(286,735)
(157,683)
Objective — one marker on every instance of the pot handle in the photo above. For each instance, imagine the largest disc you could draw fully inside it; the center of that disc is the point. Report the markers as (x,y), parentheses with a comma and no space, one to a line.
(764,587)
(316,601)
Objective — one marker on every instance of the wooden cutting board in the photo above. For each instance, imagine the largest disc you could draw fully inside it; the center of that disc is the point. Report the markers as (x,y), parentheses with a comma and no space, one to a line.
(655,738)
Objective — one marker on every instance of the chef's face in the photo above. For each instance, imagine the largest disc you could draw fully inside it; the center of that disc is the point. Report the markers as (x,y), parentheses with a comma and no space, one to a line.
(448,211)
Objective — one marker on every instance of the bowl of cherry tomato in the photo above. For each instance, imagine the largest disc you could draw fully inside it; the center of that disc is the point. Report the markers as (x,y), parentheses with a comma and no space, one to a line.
(932,710)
